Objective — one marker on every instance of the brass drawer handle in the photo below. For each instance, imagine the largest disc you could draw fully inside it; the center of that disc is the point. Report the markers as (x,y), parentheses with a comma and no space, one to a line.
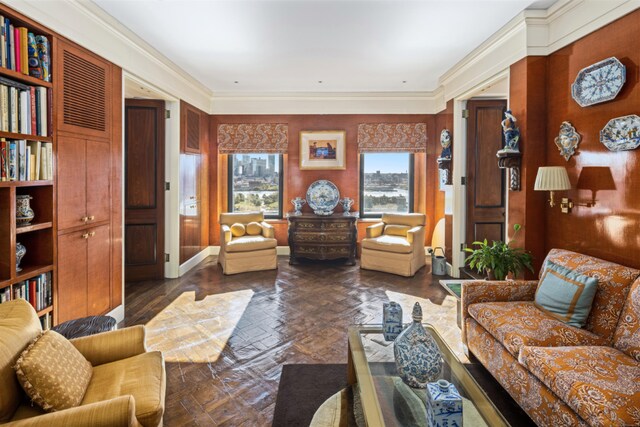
(85,236)
(93,233)
(84,219)
(91,218)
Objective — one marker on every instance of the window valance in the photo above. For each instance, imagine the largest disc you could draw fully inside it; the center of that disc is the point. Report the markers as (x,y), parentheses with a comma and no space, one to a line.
(253,138)
(392,137)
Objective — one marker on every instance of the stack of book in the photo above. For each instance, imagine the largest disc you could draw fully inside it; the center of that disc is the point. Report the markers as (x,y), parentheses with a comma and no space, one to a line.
(22,160)
(24,109)
(23,51)
(37,291)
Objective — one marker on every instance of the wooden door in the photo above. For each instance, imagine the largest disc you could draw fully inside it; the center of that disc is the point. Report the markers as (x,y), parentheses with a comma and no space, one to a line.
(99,270)
(71,175)
(485,180)
(72,275)
(144,189)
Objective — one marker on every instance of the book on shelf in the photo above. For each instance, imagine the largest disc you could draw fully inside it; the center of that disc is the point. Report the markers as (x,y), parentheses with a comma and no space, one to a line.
(24,108)
(24,51)
(45,321)
(38,291)
(5,294)
(22,160)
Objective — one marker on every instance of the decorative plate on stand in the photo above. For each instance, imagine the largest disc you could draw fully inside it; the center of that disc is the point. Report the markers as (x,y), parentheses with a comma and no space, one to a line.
(622,133)
(599,82)
(323,196)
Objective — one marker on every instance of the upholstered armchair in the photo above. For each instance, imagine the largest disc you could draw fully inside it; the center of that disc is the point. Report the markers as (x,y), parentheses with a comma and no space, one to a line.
(395,245)
(247,243)
(127,387)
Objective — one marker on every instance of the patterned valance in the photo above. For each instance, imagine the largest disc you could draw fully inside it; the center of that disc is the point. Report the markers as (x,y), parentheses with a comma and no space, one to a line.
(253,138)
(392,137)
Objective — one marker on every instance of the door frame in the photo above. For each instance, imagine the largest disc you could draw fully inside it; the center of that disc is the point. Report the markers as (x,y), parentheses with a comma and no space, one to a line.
(135,87)
(459,216)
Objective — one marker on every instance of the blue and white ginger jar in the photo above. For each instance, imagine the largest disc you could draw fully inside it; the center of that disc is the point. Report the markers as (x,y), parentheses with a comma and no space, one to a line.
(444,405)
(417,355)
(391,320)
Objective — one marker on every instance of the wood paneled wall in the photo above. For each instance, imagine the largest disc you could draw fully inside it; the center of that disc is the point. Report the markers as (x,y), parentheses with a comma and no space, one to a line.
(609,229)
(444,120)
(194,181)
(297,181)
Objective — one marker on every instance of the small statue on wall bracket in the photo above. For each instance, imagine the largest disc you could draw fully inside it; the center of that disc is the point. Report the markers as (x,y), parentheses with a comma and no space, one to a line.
(511,133)
(444,161)
(510,157)
(445,142)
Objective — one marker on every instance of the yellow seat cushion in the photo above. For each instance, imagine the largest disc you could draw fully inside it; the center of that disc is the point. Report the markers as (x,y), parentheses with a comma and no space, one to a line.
(388,243)
(250,243)
(238,229)
(254,229)
(141,376)
(396,230)
(53,373)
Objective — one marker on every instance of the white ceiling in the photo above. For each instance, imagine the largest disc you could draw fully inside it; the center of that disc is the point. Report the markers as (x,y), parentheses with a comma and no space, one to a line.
(292,45)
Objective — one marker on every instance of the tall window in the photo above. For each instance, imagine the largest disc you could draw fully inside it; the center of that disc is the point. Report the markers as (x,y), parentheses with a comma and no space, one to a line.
(255,183)
(386,183)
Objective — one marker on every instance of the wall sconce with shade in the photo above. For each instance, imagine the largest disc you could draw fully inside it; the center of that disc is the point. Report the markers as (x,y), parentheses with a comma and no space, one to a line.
(554,178)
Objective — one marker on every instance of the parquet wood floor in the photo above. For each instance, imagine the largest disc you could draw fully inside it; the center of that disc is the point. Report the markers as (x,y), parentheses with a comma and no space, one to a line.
(225,338)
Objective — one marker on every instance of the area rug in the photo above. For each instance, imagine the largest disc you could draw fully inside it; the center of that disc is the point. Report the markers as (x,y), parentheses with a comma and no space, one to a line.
(303,388)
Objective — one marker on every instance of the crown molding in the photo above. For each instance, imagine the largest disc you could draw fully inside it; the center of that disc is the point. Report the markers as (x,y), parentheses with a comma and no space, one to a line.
(327,102)
(531,33)
(88,25)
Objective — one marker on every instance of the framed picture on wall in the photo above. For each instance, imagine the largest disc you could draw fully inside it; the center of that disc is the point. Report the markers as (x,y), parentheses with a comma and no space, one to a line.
(323,150)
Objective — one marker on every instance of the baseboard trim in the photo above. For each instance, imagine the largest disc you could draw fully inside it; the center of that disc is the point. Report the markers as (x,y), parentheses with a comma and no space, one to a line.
(117,313)
(193,261)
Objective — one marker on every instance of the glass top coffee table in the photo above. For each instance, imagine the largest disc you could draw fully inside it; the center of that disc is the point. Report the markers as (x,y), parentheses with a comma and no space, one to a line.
(387,401)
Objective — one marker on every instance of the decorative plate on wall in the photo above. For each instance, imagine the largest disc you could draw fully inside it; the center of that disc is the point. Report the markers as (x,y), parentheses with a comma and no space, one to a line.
(323,196)
(622,133)
(599,82)
(567,140)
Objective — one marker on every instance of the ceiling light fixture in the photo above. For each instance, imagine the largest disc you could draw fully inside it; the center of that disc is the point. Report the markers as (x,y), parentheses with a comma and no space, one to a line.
(236,82)
(319,81)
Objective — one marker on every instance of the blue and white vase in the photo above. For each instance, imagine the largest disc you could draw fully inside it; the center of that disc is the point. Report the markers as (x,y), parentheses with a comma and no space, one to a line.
(417,355)
(391,320)
(298,203)
(444,405)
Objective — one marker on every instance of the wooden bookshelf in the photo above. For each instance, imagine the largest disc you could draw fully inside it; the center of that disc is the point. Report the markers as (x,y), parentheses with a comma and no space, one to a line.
(23,78)
(37,237)
(28,137)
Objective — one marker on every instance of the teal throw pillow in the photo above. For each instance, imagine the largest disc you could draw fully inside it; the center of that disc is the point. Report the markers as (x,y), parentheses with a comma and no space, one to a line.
(565,294)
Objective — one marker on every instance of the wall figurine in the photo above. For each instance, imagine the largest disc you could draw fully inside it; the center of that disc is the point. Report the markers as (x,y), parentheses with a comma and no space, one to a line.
(567,140)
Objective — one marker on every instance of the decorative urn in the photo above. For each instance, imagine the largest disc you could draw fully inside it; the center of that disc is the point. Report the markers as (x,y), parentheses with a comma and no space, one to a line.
(24,213)
(391,320)
(346,205)
(417,355)
(298,203)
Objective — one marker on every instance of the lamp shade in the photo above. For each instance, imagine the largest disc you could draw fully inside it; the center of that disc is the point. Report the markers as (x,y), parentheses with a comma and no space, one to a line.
(552,178)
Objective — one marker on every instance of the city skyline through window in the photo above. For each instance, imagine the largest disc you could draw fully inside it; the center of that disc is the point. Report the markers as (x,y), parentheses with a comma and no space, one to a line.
(255,183)
(386,183)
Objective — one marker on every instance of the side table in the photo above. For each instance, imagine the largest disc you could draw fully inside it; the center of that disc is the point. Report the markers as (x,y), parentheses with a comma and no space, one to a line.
(454,288)
(320,237)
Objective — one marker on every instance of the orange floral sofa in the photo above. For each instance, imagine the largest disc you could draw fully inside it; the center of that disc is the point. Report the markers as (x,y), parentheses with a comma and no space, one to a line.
(561,375)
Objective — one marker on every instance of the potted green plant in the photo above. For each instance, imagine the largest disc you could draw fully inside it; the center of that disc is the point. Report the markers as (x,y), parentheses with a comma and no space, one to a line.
(499,259)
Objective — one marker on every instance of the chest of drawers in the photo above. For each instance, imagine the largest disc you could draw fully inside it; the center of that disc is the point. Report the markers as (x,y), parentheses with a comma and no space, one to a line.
(323,237)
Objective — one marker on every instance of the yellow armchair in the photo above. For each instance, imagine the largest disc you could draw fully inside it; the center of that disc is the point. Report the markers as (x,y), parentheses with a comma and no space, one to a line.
(248,252)
(395,245)
(127,387)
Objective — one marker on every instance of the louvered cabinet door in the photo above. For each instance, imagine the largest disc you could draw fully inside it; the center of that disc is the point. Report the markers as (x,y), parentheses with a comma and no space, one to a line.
(190,125)
(83,92)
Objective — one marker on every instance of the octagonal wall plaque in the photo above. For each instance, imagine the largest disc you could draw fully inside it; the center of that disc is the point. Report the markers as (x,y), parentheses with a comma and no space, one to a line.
(599,82)
(622,133)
